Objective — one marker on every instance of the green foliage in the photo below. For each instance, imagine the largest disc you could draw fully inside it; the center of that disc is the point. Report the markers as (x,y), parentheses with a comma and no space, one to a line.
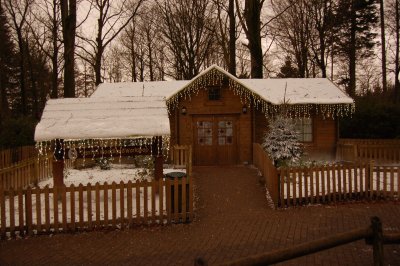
(374,118)
(281,142)
(288,70)
(15,132)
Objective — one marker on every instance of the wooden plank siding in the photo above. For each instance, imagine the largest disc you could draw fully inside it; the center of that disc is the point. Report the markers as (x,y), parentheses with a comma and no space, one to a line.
(323,145)
(183,125)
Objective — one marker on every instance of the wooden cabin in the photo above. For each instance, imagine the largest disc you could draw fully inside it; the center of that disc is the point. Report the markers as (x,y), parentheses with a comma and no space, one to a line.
(221,116)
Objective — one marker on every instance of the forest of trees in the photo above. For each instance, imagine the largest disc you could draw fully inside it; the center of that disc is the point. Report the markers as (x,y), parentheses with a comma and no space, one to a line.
(65,48)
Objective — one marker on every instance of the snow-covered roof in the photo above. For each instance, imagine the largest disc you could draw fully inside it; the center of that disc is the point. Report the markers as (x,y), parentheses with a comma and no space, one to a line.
(147,88)
(98,117)
(272,90)
(298,91)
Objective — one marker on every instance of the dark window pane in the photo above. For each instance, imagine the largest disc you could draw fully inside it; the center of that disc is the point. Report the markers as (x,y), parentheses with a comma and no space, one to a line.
(214,94)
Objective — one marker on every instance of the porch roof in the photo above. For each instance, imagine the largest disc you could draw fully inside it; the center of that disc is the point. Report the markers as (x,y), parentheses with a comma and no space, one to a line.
(112,117)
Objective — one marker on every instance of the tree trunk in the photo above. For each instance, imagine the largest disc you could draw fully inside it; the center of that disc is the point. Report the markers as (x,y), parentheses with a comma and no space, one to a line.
(97,66)
(322,64)
(383,40)
(68,17)
(22,73)
(54,59)
(151,68)
(352,52)
(4,110)
(35,108)
(232,38)
(397,63)
(252,14)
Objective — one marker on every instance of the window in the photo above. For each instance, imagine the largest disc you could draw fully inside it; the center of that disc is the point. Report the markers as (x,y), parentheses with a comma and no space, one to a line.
(214,94)
(304,129)
(225,133)
(204,133)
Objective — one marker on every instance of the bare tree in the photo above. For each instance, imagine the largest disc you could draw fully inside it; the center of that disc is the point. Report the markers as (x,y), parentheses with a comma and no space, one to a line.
(68,19)
(226,33)
(291,26)
(397,63)
(46,35)
(18,12)
(383,44)
(251,24)
(394,30)
(188,28)
(321,31)
(112,18)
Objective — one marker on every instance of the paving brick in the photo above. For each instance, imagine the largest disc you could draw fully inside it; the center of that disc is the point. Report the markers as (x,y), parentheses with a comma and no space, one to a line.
(232,220)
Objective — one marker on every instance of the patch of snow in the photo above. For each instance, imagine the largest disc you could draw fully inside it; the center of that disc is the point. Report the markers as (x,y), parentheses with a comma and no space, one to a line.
(117,173)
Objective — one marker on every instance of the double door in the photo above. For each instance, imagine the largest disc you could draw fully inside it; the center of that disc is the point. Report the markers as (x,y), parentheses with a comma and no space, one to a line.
(215,140)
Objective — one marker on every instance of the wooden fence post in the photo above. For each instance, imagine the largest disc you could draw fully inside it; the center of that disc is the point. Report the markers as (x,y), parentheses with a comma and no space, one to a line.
(377,241)
(28,210)
(36,177)
(371,178)
(355,153)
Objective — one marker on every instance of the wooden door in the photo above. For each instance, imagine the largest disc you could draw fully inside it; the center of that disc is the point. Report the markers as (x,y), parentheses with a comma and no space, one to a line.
(214,140)
(226,146)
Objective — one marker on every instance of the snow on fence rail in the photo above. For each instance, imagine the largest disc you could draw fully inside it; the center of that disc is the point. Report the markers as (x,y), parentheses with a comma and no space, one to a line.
(91,207)
(338,182)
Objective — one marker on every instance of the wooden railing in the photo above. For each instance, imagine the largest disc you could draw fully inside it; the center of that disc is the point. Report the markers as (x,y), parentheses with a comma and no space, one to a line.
(294,186)
(266,166)
(381,151)
(10,157)
(373,235)
(25,173)
(95,206)
(181,157)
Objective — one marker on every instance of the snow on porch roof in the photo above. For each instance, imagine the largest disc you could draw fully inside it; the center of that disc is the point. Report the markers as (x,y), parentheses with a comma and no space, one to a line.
(112,117)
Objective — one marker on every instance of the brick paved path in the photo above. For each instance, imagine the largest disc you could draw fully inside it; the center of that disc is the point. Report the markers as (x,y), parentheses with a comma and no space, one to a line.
(232,220)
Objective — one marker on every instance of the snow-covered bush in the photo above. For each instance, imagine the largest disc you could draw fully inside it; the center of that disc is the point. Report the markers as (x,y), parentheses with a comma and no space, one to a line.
(104,163)
(281,142)
(146,165)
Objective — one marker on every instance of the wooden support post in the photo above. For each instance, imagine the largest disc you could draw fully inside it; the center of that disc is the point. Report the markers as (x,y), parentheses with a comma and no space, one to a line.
(36,172)
(58,166)
(158,167)
(158,160)
(377,241)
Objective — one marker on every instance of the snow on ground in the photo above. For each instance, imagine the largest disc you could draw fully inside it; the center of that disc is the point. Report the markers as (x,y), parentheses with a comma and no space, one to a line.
(117,173)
